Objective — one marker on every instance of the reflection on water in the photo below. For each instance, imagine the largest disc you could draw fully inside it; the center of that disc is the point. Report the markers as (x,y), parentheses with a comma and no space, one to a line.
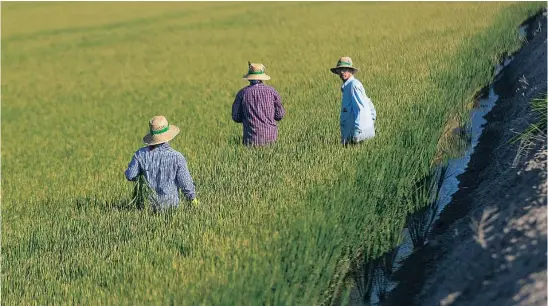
(457,166)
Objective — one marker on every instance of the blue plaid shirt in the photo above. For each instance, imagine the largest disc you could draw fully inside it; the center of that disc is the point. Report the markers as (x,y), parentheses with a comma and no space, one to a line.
(165,171)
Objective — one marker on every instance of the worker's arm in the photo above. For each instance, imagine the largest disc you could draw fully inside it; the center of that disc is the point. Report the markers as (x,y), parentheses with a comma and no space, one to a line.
(132,171)
(184,180)
(279,111)
(237,115)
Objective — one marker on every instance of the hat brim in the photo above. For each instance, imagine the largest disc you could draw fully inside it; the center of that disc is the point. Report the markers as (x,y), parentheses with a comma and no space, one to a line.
(257,77)
(334,70)
(151,140)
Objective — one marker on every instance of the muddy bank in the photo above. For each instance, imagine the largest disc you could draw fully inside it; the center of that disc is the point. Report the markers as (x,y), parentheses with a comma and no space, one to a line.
(489,245)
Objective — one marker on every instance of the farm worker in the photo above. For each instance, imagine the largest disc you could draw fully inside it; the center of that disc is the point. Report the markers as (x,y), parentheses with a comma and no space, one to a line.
(358,114)
(164,169)
(258,107)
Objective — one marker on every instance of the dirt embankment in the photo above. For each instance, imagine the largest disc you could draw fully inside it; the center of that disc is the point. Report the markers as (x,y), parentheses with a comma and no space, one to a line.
(489,245)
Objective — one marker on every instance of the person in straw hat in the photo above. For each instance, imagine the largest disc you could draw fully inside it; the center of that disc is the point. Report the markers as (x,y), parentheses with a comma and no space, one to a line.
(358,114)
(164,169)
(258,107)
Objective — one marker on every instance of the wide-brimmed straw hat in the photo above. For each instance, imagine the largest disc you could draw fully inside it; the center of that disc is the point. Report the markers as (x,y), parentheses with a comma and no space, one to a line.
(256,72)
(344,62)
(160,131)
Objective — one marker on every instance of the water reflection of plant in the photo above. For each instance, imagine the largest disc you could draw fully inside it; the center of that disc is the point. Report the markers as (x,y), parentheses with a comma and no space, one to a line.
(385,271)
(428,192)
(363,273)
(373,277)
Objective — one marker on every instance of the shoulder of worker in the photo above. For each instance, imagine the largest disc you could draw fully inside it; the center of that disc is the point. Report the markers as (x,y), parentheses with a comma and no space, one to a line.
(261,86)
(356,84)
(240,91)
(178,155)
(141,151)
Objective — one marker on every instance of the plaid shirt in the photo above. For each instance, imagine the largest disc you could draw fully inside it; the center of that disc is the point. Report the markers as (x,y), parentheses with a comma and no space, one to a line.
(165,171)
(258,107)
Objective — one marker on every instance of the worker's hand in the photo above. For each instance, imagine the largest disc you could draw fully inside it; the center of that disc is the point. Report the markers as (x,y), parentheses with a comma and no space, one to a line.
(195,202)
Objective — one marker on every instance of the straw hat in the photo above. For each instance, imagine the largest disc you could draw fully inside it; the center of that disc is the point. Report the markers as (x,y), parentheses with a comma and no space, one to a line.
(160,131)
(256,72)
(344,62)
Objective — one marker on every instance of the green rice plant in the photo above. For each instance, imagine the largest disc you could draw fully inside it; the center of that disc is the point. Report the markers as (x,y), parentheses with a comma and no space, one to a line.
(536,130)
(538,107)
(279,225)
(538,126)
(141,193)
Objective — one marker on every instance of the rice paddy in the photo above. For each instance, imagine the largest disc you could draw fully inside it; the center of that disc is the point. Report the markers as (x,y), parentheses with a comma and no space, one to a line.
(277,225)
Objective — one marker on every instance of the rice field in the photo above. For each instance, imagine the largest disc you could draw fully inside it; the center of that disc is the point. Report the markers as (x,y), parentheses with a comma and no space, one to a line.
(276,226)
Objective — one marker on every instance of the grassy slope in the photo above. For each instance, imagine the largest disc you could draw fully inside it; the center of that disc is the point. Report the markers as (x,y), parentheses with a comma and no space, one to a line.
(78,91)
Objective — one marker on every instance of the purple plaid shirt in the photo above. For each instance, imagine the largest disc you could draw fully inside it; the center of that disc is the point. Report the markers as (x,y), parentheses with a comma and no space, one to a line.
(258,107)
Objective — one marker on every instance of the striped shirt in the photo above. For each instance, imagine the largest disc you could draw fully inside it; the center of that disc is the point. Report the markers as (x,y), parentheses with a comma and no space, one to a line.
(258,107)
(165,171)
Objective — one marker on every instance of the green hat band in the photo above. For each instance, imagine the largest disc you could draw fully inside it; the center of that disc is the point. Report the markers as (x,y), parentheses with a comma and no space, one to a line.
(344,63)
(160,131)
(255,72)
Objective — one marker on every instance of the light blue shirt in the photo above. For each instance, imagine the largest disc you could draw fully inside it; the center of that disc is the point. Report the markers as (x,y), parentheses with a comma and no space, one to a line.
(165,171)
(358,114)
